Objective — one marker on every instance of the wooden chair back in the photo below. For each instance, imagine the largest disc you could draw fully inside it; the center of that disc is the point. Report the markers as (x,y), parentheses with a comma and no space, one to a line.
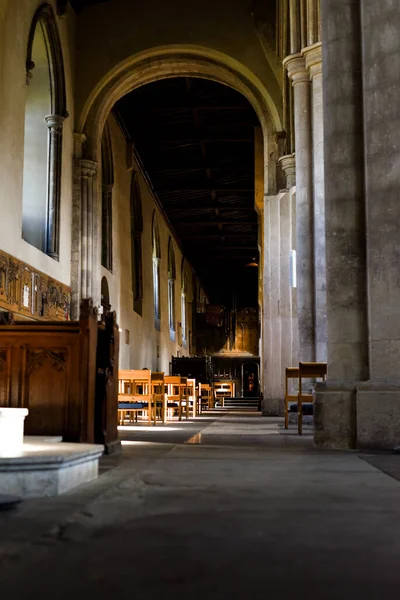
(185,395)
(174,391)
(193,392)
(205,395)
(158,394)
(135,386)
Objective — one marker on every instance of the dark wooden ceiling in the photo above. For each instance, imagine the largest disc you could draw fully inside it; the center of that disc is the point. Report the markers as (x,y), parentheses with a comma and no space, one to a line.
(195,139)
(79,5)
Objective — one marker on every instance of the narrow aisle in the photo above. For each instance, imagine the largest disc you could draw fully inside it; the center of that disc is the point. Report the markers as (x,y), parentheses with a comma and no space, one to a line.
(228,522)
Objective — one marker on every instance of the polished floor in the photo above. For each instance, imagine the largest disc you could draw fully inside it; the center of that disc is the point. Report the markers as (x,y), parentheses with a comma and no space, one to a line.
(224,507)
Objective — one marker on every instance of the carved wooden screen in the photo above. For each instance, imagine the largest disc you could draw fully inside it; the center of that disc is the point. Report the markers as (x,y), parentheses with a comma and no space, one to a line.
(50,369)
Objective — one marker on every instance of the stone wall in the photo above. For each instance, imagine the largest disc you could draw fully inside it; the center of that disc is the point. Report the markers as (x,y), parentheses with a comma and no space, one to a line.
(15,23)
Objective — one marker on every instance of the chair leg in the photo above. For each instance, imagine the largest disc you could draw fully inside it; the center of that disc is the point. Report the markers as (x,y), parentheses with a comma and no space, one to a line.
(300,417)
(286,414)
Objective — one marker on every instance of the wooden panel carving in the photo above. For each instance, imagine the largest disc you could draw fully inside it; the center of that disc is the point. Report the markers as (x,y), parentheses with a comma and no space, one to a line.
(26,291)
(51,369)
(4,376)
(45,391)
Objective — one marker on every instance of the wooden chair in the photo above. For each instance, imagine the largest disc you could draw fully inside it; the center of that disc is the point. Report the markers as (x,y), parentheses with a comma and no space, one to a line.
(134,393)
(205,396)
(308,370)
(158,395)
(185,395)
(290,373)
(174,394)
(223,389)
(193,393)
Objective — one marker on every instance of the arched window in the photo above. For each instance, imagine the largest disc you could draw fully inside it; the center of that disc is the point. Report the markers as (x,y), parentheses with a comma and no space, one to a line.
(45,110)
(156,273)
(136,244)
(171,289)
(107,176)
(183,302)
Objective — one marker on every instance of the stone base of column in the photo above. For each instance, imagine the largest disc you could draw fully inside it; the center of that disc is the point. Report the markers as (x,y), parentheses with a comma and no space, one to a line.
(335,424)
(364,415)
(273,407)
(378,415)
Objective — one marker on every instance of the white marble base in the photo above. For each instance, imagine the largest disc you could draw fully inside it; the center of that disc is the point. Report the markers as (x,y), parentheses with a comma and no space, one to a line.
(48,469)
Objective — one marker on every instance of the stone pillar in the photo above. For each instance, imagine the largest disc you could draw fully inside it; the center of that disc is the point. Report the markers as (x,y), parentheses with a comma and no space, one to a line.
(285,303)
(55,125)
(266,365)
(88,216)
(313,58)
(347,318)
(275,371)
(299,75)
(378,401)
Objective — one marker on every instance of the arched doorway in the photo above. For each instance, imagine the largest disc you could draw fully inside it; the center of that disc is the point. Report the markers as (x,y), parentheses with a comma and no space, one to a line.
(165,63)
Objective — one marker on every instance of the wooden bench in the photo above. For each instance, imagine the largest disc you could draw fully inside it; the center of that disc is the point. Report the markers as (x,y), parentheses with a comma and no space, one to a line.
(134,393)
(308,370)
(290,373)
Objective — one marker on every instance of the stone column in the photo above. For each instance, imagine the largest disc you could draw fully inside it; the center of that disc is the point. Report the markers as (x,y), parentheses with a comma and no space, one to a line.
(378,401)
(347,346)
(88,215)
(275,370)
(55,125)
(285,303)
(313,58)
(299,75)
(266,365)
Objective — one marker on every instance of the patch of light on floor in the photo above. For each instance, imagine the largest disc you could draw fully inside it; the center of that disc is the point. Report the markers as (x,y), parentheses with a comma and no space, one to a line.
(132,443)
(146,428)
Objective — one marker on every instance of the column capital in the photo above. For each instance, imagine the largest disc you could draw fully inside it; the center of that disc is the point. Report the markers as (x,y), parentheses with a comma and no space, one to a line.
(296,68)
(88,168)
(313,59)
(288,166)
(54,121)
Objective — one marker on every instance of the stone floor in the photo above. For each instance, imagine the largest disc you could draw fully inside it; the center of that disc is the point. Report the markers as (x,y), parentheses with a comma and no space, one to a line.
(224,507)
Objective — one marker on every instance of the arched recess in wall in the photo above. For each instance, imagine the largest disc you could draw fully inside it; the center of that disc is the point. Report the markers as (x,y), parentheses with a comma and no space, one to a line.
(183,302)
(181,61)
(45,111)
(136,244)
(156,272)
(171,290)
(107,180)
(177,61)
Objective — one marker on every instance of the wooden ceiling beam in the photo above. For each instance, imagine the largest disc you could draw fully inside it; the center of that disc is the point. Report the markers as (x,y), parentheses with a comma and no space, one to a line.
(175,189)
(211,223)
